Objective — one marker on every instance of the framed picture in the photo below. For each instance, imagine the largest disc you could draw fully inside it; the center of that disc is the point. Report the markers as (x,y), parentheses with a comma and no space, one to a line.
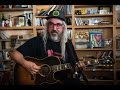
(21,20)
(96,39)
(1,55)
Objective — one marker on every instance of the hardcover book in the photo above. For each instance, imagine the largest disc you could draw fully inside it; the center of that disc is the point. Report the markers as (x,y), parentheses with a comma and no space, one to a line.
(96,39)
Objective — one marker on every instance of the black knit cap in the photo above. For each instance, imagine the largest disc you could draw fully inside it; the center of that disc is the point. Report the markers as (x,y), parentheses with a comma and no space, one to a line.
(56,14)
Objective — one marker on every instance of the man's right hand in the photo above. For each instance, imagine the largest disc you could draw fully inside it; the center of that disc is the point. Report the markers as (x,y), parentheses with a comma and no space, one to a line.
(31,67)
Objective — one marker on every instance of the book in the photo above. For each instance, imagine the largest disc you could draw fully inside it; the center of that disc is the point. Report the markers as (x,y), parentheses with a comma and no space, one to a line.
(95,39)
(21,20)
(1,55)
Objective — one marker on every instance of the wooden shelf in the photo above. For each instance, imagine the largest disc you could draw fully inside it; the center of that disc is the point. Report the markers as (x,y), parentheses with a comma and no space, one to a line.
(86,6)
(95,69)
(95,49)
(94,15)
(94,80)
(46,16)
(94,26)
(42,27)
(17,28)
(5,60)
(40,16)
(6,70)
(118,26)
(8,40)
(108,33)
(15,9)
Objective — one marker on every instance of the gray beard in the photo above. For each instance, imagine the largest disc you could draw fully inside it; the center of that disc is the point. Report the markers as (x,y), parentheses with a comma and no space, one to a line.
(55,38)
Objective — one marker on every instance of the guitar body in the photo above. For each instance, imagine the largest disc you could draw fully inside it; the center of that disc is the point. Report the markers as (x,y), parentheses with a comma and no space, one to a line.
(49,66)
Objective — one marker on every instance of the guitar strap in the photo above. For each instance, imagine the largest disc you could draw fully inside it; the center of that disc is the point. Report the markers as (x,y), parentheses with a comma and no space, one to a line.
(71,53)
(74,59)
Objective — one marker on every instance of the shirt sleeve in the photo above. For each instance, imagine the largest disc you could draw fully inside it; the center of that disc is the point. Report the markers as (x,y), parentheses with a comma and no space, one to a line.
(27,48)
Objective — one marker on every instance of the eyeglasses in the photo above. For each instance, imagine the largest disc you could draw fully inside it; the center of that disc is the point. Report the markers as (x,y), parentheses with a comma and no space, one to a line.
(58,25)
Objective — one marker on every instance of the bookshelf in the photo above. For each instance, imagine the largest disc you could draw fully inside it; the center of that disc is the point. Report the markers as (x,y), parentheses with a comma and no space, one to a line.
(15,24)
(117,39)
(93,27)
(81,20)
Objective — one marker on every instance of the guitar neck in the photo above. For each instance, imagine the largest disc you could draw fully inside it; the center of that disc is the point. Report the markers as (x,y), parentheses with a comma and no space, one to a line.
(60,67)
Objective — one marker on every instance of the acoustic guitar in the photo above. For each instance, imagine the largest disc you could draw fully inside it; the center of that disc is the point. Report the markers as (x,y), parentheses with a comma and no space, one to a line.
(49,66)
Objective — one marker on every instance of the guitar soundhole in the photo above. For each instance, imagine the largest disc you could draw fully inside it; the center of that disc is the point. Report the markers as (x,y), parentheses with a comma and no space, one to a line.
(44,71)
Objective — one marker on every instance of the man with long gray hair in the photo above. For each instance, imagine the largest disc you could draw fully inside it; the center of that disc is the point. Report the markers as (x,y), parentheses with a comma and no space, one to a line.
(53,53)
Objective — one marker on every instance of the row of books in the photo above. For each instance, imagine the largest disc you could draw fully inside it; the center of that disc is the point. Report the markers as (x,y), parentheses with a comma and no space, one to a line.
(91,21)
(93,10)
(40,21)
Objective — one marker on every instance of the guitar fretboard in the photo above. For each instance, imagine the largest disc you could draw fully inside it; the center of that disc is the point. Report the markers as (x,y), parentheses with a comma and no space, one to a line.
(61,67)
